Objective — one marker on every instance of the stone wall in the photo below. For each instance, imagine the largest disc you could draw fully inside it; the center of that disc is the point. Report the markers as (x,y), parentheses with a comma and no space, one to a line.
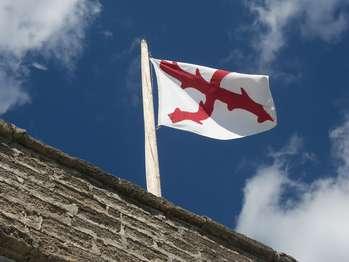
(58,208)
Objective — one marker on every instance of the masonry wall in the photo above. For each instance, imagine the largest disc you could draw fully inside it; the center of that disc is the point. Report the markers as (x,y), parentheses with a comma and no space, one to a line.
(57,208)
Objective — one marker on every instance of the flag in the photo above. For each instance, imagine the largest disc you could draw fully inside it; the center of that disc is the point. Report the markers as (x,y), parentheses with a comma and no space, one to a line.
(213,103)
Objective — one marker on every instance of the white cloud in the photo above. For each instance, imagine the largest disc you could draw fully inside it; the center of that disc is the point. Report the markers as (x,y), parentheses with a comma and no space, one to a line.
(133,82)
(133,78)
(340,147)
(53,29)
(39,66)
(107,34)
(324,19)
(312,225)
(11,93)
(294,145)
(274,15)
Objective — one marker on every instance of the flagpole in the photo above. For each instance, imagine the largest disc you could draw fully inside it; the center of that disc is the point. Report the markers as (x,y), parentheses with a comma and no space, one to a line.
(151,151)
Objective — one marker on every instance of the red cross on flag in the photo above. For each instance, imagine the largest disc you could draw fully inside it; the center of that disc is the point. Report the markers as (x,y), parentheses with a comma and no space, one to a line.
(213,103)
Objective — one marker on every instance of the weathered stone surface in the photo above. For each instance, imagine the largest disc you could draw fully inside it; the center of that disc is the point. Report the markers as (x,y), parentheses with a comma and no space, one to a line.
(58,208)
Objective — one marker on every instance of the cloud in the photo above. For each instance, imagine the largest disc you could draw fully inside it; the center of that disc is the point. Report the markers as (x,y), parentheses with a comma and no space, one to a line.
(273,15)
(295,144)
(340,147)
(53,29)
(107,34)
(39,66)
(322,19)
(133,82)
(129,51)
(11,92)
(325,19)
(131,55)
(307,221)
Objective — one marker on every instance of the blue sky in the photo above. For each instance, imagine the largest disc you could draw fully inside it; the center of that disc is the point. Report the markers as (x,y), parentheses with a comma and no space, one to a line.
(71,77)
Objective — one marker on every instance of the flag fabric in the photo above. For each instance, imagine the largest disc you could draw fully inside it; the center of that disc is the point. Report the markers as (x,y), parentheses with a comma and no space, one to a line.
(213,103)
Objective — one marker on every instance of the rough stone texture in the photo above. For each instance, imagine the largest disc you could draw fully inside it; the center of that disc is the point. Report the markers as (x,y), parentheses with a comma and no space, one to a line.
(58,208)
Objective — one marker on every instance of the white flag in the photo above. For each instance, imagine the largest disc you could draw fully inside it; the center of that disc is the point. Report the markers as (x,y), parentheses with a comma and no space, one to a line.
(213,103)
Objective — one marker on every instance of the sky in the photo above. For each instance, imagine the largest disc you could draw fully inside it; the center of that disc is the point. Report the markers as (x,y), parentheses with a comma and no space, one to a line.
(70,76)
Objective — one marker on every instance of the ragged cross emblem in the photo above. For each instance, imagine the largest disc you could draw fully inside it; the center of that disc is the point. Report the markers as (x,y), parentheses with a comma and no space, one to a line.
(212,91)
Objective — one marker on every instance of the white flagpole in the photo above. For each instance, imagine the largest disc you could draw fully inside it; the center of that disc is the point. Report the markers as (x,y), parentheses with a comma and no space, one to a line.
(151,151)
